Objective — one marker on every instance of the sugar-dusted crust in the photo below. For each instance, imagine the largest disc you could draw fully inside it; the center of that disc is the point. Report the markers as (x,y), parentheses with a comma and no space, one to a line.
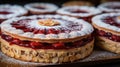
(108,45)
(104,8)
(49,8)
(99,24)
(77,3)
(46,56)
(86,30)
(91,12)
(15,10)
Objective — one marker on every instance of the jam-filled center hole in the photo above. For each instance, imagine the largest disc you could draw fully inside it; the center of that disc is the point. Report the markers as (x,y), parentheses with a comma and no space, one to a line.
(5,12)
(39,7)
(77,11)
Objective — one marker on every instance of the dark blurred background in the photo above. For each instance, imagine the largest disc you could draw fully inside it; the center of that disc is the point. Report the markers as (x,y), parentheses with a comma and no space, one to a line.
(58,2)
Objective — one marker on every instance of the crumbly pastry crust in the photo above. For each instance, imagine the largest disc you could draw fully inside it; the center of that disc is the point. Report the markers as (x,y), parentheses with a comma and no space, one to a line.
(77,3)
(92,11)
(104,8)
(46,56)
(108,45)
(49,8)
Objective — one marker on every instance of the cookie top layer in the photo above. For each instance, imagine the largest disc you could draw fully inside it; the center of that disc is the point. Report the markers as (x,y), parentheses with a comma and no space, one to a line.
(80,11)
(41,7)
(8,11)
(110,7)
(47,27)
(109,21)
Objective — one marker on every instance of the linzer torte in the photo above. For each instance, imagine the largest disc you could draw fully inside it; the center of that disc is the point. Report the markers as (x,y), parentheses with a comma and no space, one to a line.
(47,38)
(108,31)
(82,12)
(41,8)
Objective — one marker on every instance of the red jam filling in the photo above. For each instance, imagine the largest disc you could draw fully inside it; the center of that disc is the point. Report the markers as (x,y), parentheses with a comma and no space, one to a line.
(21,24)
(77,11)
(108,35)
(111,21)
(5,12)
(88,19)
(39,45)
(1,20)
(39,7)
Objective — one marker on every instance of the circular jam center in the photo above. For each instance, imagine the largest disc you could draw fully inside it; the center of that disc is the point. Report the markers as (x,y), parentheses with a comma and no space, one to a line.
(77,11)
(5,12)
(48,22)
(39,7)
(112,20)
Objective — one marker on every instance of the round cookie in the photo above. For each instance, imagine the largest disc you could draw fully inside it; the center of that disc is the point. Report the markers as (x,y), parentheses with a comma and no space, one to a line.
(79,12)
(108,31)
(47,38)
(41,8)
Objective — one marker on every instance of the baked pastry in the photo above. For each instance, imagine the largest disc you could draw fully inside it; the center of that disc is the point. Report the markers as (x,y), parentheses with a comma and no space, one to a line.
(81,12)
(108,31)
(47,38)
(41,8)
(110,7)
(9,11)
(77,3)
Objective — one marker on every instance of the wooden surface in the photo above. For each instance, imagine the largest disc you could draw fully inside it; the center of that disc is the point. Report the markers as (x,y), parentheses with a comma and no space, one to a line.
(96,56)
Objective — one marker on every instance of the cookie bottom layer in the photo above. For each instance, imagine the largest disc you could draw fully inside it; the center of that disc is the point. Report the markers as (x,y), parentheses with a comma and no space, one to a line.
(46,55)
(108,45)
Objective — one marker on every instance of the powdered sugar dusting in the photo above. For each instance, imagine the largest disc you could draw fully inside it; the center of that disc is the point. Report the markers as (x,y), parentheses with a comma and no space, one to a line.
(98,21)
(15,10)
(35,24)
(90,12)
(48,7)
(68,24)
(103,6)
